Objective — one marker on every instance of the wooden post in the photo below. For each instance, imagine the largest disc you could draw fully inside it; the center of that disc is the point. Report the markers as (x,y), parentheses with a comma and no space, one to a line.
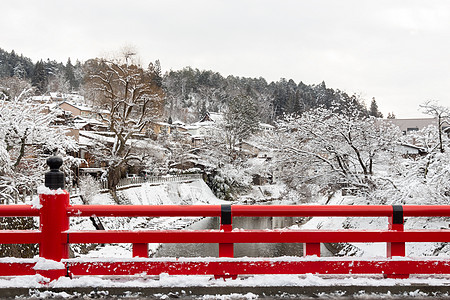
(53,219)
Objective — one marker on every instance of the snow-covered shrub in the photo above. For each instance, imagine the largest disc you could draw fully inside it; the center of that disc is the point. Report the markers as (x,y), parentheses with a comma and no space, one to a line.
(28,138)
(89,188)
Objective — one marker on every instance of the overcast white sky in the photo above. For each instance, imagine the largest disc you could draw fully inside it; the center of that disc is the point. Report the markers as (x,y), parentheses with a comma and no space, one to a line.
(395,51)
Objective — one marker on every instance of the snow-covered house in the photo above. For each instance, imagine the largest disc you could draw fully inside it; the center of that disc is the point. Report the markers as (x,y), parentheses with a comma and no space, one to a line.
(248,148)
(160,127)
(83,110)
(42,99)
(411,150)
(86,124)
(212,117)
(57,97)
(266,127)
(408,126)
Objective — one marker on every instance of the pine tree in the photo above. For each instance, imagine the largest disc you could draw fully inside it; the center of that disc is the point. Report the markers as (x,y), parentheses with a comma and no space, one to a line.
(391,115)
(373,111)
(69,74)
(39,78)
(240,120)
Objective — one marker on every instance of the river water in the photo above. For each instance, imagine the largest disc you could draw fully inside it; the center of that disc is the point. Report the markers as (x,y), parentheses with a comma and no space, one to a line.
(240,250)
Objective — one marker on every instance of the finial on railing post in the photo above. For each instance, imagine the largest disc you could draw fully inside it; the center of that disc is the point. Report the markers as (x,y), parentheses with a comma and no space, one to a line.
(54,179)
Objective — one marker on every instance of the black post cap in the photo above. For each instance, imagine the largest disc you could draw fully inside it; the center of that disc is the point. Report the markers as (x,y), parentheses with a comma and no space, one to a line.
(54,179)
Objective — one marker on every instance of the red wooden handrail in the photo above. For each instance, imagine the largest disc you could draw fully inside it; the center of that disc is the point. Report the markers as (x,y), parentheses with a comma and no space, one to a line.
(255,210)
(256,236)
(144,210)
(20,236)
(55,235)
(237,210)
(18,211)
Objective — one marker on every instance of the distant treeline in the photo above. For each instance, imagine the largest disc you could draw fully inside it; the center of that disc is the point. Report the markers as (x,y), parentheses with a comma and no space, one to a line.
(191,92)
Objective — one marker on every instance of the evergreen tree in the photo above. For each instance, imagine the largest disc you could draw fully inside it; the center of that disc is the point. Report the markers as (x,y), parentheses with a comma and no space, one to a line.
(240,120)
(69,74)
(373,111)
(391,115)
(19,71)
(39,78)
(155,71)
(12,64)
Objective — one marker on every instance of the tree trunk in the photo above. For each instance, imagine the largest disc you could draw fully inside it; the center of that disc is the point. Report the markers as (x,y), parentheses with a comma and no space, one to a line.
(113,177)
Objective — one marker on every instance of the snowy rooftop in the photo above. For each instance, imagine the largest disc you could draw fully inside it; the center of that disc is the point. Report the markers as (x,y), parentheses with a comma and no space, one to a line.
(84,107)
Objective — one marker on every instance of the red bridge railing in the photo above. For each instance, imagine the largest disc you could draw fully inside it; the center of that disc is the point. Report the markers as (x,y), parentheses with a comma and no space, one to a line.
(55,236)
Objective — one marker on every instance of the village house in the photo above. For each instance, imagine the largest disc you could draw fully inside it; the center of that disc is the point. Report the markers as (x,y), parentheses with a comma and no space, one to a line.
(408,126)
(83,110)
(248,148)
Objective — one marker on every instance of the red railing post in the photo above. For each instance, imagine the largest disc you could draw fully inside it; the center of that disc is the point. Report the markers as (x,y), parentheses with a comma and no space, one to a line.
(226,249)
(140,250)
(54,219)
(226,224)
(311,249)
(396,222)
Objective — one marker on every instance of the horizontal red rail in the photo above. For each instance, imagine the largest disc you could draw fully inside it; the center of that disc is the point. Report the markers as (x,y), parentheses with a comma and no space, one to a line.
(17,268)
(426,210)
(237,210)
(256,210)
(255,236)
(20,237)
(237,266)
(144,210)
(311,211)
(18,211)
(322,266)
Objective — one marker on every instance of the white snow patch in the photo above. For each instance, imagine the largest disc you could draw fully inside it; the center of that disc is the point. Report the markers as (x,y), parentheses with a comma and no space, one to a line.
(43,190)
(48,264)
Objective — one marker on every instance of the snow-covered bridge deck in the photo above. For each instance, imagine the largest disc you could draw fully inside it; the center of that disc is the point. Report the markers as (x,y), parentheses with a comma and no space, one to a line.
(259,286)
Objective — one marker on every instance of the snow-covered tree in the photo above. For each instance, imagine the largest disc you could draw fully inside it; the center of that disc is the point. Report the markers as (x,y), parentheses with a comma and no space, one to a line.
(240,120)
(15,88)
(27,138)
(327,148)
(132,97)
(58,83)
(419,180)
(442,114)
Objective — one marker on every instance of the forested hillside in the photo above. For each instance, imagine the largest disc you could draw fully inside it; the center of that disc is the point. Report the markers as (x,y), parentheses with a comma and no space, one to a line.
(190,92)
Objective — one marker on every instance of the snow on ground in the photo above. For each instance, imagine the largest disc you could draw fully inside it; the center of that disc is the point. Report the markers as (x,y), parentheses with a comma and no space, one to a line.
(262,193)
(169,193)
(165,280)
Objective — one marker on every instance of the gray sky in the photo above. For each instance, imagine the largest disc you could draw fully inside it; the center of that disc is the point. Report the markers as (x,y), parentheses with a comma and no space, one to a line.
(395,51)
